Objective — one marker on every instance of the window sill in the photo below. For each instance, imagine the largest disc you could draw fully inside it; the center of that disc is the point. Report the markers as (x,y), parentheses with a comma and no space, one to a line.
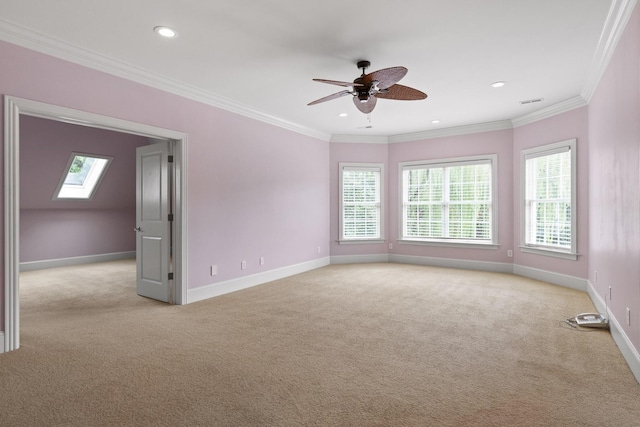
(360,241)
(451,244)
(549,252)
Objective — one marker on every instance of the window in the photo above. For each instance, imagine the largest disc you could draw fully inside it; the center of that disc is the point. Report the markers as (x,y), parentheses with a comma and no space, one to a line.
(449,201)
(81,176)
(548,219)
(361,213)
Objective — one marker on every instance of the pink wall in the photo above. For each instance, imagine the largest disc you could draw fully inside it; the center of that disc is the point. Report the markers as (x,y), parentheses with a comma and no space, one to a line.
(507,144)
(254,190)
(53,229)
(498,142)
(263,192)
(495,142)
(614,181)
(569,125)
(45,147)
(47,234)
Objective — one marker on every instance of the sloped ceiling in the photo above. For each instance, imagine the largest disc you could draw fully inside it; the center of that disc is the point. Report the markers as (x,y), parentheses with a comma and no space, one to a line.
(45,149)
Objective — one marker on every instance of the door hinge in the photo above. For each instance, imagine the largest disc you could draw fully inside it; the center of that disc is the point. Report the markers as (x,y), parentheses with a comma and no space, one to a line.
(170,217)
(170,159)
(170,276)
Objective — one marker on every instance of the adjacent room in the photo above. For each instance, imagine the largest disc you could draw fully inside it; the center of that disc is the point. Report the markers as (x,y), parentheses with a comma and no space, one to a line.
(275,213)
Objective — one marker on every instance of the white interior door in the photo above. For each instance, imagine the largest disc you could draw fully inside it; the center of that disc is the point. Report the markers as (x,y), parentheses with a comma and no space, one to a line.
(153,228)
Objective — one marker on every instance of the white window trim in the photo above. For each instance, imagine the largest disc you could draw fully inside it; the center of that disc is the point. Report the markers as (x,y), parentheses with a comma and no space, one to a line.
(459,243)
(492,159)
(544,150)
(378,167)
(98,180)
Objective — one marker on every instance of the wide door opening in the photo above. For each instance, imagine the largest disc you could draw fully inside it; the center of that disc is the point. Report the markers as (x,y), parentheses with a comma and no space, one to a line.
(176,235)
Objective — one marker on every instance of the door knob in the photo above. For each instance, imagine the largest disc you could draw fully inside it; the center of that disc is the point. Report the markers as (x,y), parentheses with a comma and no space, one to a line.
(137,229)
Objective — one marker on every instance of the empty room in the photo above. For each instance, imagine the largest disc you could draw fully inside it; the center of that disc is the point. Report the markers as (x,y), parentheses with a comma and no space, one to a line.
(333,214)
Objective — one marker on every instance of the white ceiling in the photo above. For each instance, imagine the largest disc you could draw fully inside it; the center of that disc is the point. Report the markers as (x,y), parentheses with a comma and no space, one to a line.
(261,55)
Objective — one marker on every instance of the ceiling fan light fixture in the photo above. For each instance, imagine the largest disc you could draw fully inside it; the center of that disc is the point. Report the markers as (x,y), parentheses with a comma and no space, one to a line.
(366,89)
(166,32)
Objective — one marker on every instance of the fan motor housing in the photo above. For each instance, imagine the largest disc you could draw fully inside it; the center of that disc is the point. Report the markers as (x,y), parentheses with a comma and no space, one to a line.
(362,92)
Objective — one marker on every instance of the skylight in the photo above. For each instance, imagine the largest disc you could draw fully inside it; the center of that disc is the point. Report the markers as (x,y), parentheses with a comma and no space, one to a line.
(82,176)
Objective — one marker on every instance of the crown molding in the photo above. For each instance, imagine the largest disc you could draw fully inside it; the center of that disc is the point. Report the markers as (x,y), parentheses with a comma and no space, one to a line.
(614,26)
(20,36)
(428,134)
(552,110)
(451,131)
(616,21)
(544,113)
(29,39)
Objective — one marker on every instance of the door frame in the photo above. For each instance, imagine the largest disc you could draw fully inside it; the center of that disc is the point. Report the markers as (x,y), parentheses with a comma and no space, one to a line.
(13,108)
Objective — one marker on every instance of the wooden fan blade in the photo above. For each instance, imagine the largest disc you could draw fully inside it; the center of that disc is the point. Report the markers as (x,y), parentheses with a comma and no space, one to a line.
(403,93)
(338,83)
(386,77)
(330,97)
(365,107)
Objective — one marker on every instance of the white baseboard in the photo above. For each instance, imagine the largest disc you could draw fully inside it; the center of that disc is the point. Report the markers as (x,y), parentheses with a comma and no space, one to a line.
(358,259)
(550,277)
(2,347)
(64,262)
(217,289)
(629,352)
(463,264)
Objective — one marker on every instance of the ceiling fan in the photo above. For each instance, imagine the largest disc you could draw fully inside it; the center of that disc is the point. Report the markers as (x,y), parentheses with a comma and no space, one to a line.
(368,87)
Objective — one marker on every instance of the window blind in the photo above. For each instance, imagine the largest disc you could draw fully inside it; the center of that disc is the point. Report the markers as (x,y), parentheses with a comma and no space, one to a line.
(448,201)
(361,215)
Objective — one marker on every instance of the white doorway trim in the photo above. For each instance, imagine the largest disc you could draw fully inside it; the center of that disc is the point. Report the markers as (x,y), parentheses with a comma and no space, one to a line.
(13,108)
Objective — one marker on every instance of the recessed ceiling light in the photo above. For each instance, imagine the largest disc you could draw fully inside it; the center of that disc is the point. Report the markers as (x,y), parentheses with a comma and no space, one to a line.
(343,115)
(435,122)
(498,84)
(167,32)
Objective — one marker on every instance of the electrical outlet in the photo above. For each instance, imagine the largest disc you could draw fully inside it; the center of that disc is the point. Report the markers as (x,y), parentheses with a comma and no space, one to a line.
(213,270)
(243,265)
(510,253)
(261,260)
(390,245)
(318,249)
(628,317)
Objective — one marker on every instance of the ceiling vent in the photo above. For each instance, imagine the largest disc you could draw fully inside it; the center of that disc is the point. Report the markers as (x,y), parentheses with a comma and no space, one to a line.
(531,101)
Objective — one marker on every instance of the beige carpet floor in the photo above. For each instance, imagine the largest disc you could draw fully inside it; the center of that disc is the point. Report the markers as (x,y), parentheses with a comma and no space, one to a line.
(345,345)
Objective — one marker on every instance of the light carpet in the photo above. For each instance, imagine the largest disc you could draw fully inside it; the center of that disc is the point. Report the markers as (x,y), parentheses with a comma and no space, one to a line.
(344,345)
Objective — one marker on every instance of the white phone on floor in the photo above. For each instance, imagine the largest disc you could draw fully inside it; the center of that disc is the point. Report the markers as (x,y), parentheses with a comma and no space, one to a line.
(592,320)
